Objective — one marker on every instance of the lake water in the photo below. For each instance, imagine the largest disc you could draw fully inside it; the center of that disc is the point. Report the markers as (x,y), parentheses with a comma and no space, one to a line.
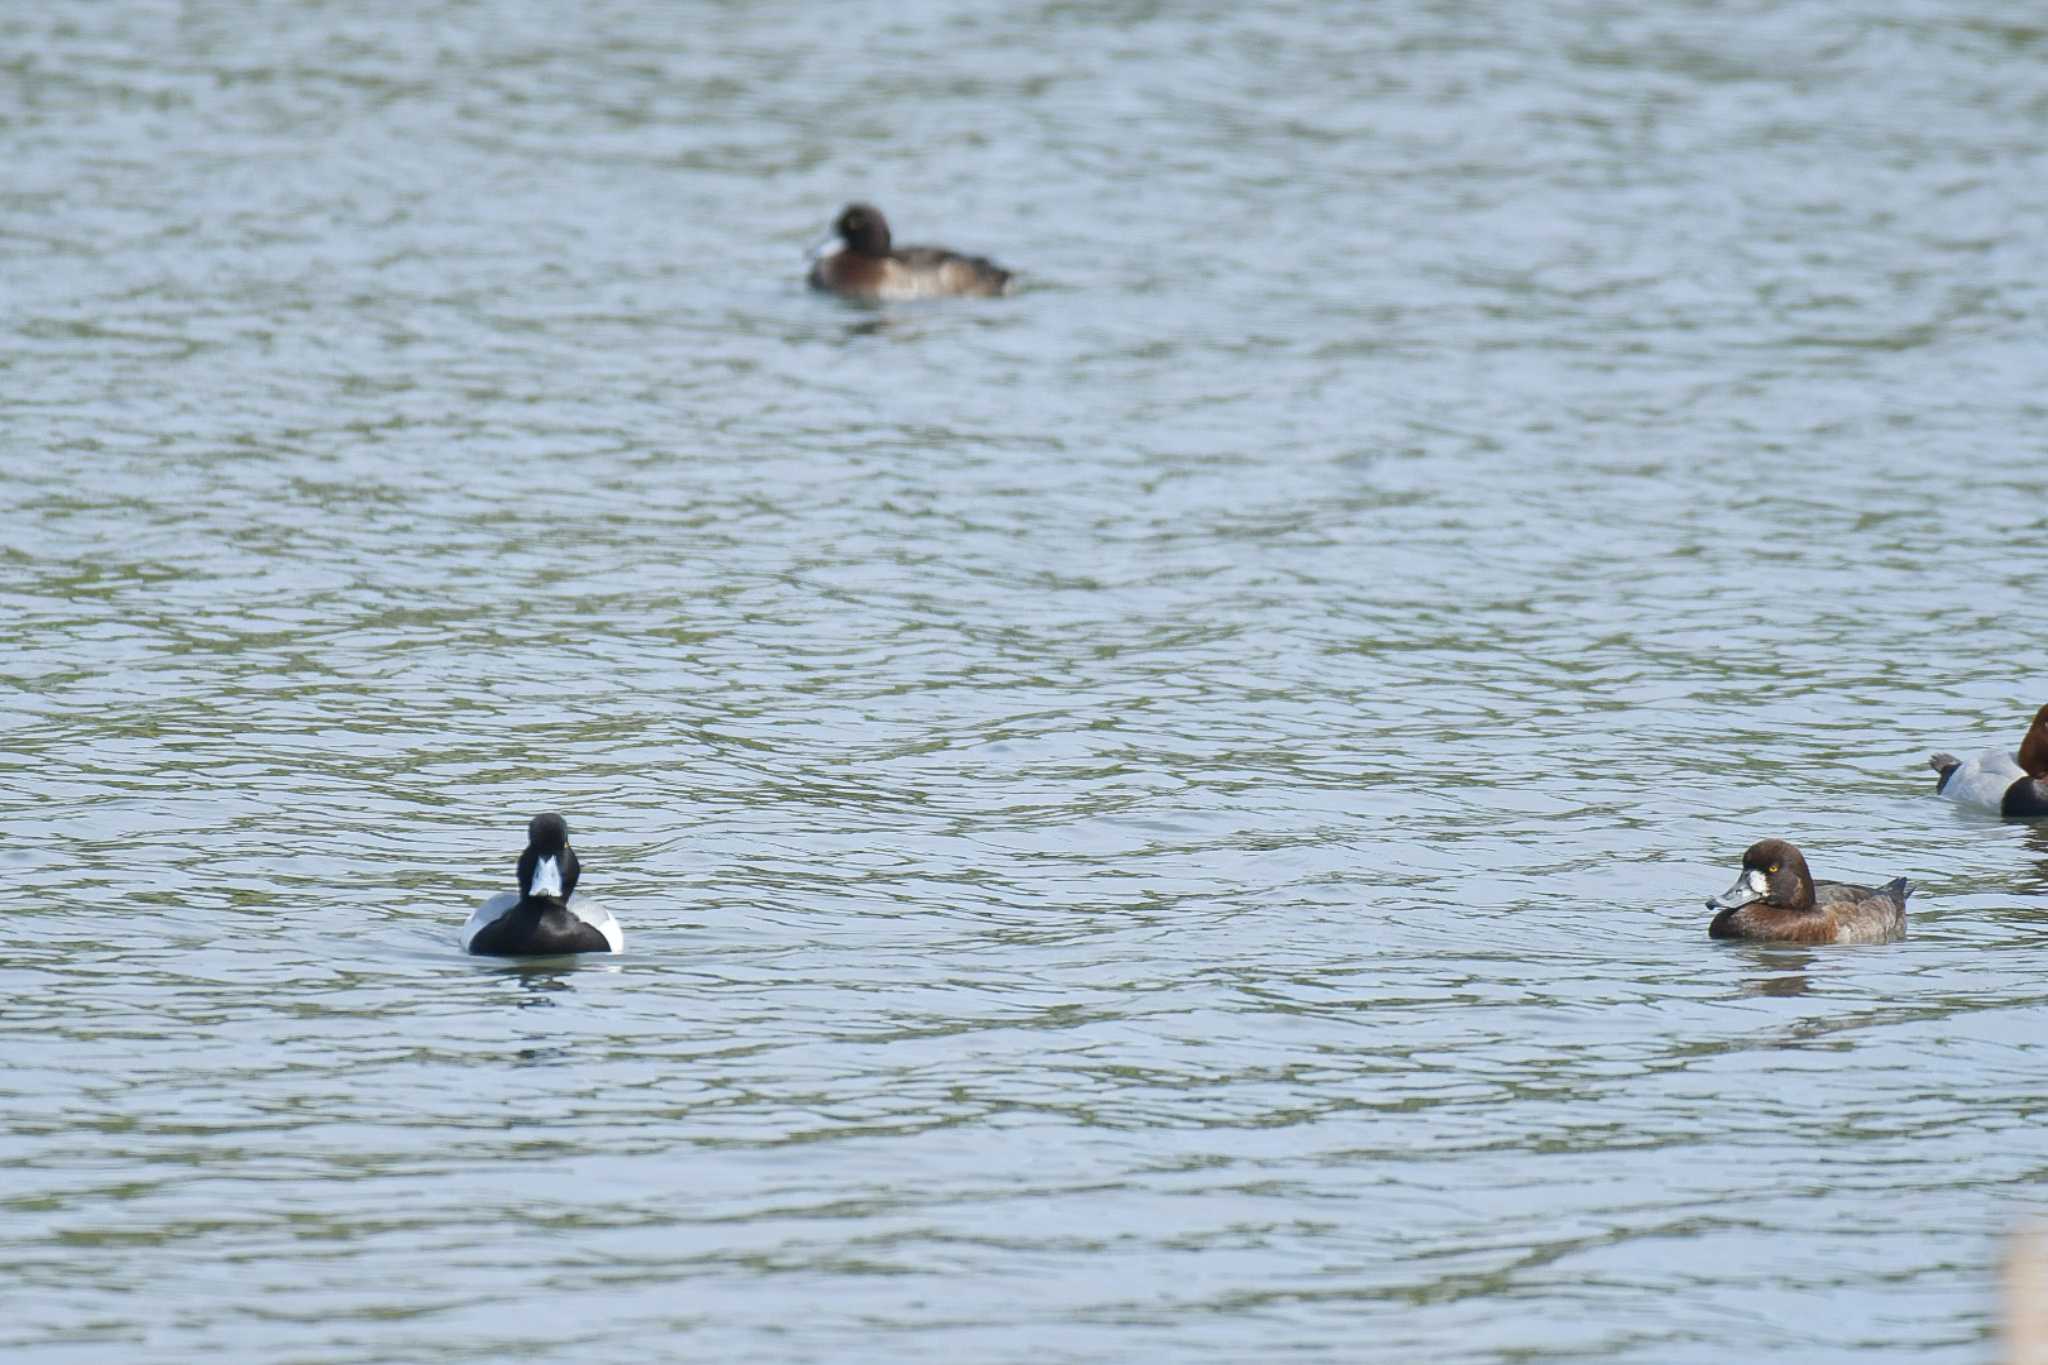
(1164,818)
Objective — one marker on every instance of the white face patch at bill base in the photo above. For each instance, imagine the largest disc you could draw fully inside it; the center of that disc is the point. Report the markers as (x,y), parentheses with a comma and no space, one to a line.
(1750,887)
(547,878)
(829,246)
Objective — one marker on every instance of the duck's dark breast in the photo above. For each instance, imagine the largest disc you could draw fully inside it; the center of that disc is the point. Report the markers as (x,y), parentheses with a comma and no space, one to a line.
(844,272)
(1767,924)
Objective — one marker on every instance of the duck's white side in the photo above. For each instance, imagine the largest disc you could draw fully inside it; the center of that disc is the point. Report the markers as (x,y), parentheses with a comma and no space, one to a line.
(487,914)
(1981,782)
(600,919)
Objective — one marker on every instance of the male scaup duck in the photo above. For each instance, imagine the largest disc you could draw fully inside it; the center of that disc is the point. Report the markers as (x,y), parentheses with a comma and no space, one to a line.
(1776,900)
(863,265)
(2012,785)
(538,922)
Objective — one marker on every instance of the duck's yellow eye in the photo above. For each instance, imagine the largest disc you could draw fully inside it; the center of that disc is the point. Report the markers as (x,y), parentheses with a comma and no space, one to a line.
(1773,867)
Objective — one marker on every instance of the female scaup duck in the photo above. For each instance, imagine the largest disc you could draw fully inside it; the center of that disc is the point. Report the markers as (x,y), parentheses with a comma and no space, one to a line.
(864,266)
(1795,908)
(2015,786)
(538,921)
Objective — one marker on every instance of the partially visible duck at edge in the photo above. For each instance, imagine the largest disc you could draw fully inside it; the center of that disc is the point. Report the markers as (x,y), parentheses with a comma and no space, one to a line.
(2007,784)
(1776,900)
(858,262)
(537,921)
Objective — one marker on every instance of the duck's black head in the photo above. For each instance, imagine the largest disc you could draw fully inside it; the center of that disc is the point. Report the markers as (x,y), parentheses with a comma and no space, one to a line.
(864,230)
(548,869)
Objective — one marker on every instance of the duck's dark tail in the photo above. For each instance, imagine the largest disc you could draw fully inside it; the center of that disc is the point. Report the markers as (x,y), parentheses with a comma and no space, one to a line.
(1943,764)
(1898,888)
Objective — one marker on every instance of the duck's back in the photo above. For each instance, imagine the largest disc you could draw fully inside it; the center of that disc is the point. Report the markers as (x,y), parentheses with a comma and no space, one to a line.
(936,273)
(1865,914)
(505,926)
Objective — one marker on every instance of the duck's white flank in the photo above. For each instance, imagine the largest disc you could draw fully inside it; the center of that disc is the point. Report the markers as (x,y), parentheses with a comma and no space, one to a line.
(487,914)
(1982,781)
(600,919)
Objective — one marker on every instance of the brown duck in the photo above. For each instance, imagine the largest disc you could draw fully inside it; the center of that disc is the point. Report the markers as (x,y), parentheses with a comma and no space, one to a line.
(1776,900)
(865,264)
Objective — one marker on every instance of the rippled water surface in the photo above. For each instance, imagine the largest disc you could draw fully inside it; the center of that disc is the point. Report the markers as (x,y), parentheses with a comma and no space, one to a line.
(1161,818)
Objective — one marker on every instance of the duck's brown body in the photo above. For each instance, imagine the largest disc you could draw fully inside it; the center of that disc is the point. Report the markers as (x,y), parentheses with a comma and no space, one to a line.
(1776,900)
(866,266)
